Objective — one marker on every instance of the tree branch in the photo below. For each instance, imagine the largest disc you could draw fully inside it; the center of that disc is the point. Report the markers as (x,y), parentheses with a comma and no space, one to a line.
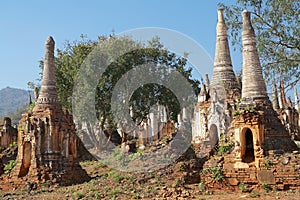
(277,33)
(280,61)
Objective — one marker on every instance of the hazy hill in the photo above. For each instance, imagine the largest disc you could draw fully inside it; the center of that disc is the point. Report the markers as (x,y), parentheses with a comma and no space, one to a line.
(12,99)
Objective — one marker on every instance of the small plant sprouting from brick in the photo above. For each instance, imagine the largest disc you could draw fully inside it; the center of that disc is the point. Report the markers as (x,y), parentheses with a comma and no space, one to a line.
(136,196)
(178,182)
(136,155)
(254,195)
(243,187)
(223,150)
(115,175)
(225,145)
(268,163)
(8,167)
(202,187)
(114,192)
(266,187)
(216,173)
(13,144)
(180,166)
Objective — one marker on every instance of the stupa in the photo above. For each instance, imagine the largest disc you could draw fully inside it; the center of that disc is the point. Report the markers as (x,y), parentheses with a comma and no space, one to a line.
(257,128)
(47,141)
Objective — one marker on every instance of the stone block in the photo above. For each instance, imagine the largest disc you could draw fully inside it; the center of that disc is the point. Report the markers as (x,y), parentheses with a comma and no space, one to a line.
(241,165)
(252,176)
(233,181)
(266,176)
(229,167)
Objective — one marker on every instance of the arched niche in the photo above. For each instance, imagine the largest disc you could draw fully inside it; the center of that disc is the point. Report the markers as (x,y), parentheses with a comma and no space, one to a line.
(213,135)
(26,161)
(247,146)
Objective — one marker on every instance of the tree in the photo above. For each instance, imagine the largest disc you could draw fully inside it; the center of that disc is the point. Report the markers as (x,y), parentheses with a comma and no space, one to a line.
(276,24)
(71,58)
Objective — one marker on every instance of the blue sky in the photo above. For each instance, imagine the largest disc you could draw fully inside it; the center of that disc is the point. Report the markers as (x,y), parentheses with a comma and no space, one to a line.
(25,25)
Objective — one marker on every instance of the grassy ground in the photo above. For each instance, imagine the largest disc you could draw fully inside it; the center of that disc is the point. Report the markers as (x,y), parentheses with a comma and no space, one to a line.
(166,183)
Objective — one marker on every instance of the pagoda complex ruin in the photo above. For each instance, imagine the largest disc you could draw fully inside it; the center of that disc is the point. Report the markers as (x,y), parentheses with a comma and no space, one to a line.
(257,133)
(240,110)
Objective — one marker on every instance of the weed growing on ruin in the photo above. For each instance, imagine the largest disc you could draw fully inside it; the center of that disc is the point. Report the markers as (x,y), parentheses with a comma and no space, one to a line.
(13,144)
(223,150)
(136,155)
(291,191)
(8,167)
(136,196)
(243,187)
(177,183)
(266,187)
(114,192)
(268,163)
(216,173)
(202,187)
(78,195)
(97,195)
(254,195)
(180,166)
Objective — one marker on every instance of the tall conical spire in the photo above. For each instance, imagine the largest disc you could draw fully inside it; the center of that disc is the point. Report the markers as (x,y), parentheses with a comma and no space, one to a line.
(253,83)
(202,96)
(48,94)
(254,89)
(282,95)
(296,99)
(207,82)
(223,73)
(275,98)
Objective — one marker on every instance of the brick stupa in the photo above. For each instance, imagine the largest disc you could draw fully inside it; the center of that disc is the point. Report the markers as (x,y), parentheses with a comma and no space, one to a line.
(258,129)
(47,138)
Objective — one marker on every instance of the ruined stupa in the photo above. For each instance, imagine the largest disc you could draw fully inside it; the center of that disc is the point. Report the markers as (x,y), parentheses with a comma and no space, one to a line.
(258,130)
(8,134)
(288,112)
(48,96)
(47,138)
(223,74)
(275,101)
(213,112)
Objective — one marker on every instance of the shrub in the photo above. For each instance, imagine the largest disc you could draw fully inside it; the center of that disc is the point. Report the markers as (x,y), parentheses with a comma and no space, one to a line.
(8,167)
(266,187)
(97,195)
(78,195)
(216,173)
(114,192)
(254,195)
(136,196)
(223,149)
(268,163)
(243,187)
(202,187)
(178,182)
(13,144)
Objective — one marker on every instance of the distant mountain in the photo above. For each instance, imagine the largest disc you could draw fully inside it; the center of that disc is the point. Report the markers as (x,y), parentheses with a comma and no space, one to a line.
(12,99)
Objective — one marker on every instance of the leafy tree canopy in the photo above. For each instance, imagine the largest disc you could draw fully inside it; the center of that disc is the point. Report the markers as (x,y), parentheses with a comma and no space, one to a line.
(276,24)
(71,57)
